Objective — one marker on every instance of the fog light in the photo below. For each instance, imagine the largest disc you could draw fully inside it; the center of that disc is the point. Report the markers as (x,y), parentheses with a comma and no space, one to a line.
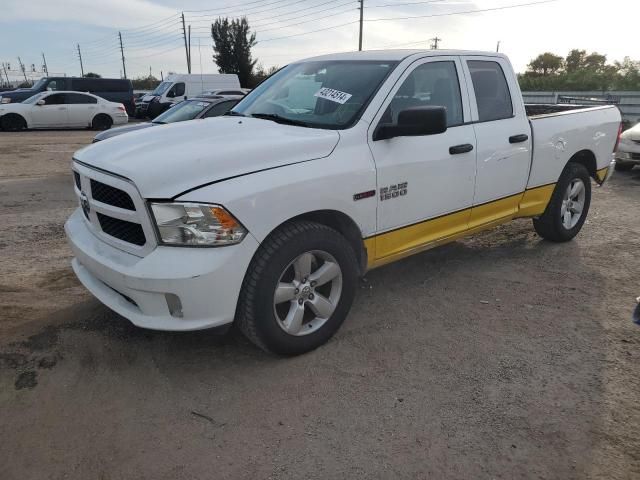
(174,304)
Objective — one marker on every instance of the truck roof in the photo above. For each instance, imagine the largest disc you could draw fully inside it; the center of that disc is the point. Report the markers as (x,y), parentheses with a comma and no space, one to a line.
(397,55)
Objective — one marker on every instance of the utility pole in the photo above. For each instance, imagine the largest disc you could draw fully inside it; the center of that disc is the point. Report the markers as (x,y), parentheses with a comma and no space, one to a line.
(498,46)
(24,72)
(434,43)
(46,69)
(80,57)
(186,48)
(124,68)
(361,25)
(189,42)
(4,67)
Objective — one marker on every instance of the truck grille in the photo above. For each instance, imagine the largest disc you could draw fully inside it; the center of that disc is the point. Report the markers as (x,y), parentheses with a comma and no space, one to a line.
(122,230)
(111,195)
(635,156)
(114,210)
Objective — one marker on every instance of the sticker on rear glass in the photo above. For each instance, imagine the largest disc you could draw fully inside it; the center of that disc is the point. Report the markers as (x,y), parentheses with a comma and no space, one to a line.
(333,95)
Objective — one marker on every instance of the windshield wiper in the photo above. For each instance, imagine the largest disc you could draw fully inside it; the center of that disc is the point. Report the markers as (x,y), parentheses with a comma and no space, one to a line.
(277,118)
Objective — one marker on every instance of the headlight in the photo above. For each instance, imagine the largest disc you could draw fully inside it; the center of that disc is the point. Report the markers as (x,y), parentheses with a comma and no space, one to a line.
(5,100)
(195,224)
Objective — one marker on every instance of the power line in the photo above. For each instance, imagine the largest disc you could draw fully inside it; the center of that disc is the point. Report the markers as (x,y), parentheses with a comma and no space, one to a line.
(506,7)
(309,33)
(305,21)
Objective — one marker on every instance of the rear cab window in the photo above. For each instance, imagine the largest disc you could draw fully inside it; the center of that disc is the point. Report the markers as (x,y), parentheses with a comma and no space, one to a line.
(492,94)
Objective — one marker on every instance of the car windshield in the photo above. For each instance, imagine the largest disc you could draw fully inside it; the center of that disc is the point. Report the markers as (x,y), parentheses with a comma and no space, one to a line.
(35,98)
(187,110)
(163,87)
(39,84)
(320,94)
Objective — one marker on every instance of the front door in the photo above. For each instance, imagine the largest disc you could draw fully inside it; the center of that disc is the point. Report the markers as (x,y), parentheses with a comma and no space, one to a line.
(53,114)
(425,183)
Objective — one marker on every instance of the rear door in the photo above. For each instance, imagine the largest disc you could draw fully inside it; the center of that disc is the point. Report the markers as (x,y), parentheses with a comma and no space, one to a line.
(502,131)
(425,187)
(53,114)
(81,109)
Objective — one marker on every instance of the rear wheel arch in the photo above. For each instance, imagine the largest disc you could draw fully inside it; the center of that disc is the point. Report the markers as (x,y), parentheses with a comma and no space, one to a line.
(587,159)
(102,121)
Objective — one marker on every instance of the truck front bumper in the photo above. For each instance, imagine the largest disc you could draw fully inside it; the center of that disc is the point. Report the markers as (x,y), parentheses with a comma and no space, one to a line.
(172,288)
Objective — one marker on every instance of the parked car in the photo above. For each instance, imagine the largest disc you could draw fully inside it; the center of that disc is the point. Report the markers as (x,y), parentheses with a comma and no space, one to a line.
(180,87)
(223,92)
(628,153)
(198,107)
(268,215)
(117,90)
(62,110)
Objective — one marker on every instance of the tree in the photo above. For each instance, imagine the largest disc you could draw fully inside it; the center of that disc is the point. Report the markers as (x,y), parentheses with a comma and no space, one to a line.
(145,83)
(575,60)
(546,64)
(261,74)
(232,43)
(92,75)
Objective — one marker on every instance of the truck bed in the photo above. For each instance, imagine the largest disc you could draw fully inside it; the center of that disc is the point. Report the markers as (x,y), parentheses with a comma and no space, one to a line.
(539,109)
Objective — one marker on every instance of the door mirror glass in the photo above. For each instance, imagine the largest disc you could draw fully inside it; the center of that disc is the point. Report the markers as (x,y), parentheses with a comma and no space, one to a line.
(40,102)
(414,121)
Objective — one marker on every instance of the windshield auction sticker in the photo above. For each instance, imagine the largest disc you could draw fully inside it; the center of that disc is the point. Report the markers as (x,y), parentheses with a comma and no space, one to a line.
(333,95)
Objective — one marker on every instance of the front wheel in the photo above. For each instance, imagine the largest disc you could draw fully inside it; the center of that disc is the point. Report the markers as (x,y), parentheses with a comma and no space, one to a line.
(569,205)
(12,123)
(298,289)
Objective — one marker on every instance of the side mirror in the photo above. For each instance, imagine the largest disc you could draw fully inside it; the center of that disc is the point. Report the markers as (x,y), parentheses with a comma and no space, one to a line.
(40,102)
(414,121)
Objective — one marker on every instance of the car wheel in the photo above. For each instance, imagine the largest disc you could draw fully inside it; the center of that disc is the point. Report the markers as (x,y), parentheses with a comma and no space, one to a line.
(623,167)
(101,122)
(569,205)
(298,289)
(12,122)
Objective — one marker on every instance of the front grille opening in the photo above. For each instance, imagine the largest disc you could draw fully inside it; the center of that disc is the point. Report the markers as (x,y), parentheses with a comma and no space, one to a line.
(126,231)
(76,178)
(111,195)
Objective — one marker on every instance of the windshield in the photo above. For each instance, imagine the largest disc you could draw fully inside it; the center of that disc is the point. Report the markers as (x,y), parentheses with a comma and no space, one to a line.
(186,110)
(163,87)
(322,94)
(35,98)
(39,84)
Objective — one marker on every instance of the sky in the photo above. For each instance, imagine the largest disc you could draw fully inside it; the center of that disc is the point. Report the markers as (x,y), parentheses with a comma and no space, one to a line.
(288,30)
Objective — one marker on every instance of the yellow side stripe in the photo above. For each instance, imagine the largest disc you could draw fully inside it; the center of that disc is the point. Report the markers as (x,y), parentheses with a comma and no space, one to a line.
(390,246)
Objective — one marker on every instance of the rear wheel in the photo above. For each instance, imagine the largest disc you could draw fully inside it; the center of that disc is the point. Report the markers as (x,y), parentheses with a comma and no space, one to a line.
(12,122)
(298,289)
(623,166)
(101,122)
(569,205)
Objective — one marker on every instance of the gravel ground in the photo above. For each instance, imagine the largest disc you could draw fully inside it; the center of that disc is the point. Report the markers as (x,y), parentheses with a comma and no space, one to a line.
(499,356)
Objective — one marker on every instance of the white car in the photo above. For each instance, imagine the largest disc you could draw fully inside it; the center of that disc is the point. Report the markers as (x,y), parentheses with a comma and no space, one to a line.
(628,153)
(268,215)
(62,110)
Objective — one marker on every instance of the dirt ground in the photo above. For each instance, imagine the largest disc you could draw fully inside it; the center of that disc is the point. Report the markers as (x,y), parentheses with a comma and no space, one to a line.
(499,356)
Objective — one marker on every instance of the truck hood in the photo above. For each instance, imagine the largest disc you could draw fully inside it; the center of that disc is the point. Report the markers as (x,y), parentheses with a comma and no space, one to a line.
(169,159)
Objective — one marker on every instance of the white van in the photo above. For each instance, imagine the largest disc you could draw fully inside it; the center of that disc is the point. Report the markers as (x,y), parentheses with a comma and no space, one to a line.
(178,87)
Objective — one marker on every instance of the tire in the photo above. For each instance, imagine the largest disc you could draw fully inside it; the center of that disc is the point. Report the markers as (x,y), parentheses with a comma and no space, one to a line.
(624,167)
(272,322)
(101,122)
(559,223)
(12,122)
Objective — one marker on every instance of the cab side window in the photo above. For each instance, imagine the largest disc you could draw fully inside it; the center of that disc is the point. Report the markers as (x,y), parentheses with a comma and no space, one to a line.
(54,85)
(177,90)
(491,89)
(430,84)
(55,99)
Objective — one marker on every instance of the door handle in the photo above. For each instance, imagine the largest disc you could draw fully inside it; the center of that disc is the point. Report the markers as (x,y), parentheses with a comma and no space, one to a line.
(458,149)
(62,108)
(519,138)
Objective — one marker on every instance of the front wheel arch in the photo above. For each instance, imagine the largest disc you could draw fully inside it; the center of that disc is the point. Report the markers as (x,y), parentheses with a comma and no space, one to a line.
(15,117)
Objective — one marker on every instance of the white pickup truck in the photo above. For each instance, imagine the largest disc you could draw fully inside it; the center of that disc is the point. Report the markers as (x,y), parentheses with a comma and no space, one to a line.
(333,166)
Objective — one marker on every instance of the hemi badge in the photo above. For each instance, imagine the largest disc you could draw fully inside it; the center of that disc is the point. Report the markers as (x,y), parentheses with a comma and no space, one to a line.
(361,195)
